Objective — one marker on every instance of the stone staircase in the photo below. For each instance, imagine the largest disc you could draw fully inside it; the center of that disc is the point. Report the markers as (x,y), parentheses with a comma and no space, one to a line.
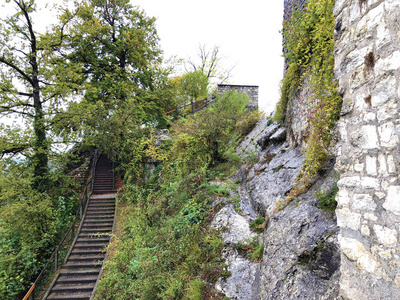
(83,264)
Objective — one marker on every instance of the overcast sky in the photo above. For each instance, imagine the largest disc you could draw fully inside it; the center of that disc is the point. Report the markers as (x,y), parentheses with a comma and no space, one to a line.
(246,32)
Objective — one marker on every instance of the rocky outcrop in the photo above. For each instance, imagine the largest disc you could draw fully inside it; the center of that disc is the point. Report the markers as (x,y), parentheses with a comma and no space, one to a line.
(232,221)
(301,255)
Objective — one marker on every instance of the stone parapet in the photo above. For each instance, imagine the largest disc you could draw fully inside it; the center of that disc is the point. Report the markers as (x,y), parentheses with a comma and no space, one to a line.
(250,90)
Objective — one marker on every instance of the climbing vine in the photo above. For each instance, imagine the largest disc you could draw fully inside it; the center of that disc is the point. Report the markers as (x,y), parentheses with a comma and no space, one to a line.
(309,41)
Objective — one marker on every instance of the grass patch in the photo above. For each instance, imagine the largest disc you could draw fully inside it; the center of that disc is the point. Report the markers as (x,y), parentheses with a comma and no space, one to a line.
(258,225)
(252,250)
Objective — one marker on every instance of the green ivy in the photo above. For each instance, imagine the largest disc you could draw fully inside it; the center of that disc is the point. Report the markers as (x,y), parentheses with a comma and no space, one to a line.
(309,39)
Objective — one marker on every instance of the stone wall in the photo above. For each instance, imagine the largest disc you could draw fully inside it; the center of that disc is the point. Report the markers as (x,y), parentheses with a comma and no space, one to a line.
(250,90)
(296,114)
(367,66)
(289,5)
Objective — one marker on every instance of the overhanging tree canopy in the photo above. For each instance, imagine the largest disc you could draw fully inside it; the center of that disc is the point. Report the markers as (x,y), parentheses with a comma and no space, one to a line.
(115,48)
(30,89)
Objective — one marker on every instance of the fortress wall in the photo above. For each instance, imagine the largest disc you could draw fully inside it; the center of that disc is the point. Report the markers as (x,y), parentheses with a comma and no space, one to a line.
(367,67)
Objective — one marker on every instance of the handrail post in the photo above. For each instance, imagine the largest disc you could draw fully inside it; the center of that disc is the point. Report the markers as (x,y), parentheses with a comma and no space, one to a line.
(56,259)
(80,209)
(113,173)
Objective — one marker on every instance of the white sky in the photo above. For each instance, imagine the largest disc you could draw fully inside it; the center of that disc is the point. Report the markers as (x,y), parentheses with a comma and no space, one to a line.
(247,33)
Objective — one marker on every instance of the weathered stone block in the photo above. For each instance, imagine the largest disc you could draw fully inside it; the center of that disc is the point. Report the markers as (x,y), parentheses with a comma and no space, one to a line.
(346,218)
(370,183)
(365,230)
(390,63)
(359,167)
(352,248)
(392,202)
(371,217)
(391,165)
(368,263)
(382,165)
(363,202)
(349,181)
(342,197)
(371,165)
(388,136)
(385,235)
(365,137)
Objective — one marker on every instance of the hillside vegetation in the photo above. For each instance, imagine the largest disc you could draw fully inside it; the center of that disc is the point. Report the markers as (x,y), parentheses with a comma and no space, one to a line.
(164,248)
(94,79)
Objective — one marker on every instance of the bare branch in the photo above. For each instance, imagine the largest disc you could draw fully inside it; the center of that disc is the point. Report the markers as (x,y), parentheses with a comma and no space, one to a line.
(13,150)
(15,68)
(25,94)
(11,109)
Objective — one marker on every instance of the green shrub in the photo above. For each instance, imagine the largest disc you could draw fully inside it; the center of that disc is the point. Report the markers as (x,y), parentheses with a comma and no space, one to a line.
(258,252)
(309,40)
(196,288)
(327,200)
(251,249)
(258,225)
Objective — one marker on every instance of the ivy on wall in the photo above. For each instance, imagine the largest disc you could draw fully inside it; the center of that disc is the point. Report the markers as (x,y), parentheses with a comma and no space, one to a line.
(309,41)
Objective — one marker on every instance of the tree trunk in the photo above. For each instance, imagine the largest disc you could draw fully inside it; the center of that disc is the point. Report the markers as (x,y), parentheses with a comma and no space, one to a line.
(40,147)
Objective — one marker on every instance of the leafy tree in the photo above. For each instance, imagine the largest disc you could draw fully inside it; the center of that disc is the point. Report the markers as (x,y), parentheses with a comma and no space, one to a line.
(212,129)
(116,47)
(194,85)
(30,89)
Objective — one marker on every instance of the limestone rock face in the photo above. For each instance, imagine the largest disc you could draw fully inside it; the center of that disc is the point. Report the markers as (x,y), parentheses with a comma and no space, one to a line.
(270,181)
(301,255)
(233,226)
(243,282)
(251,143)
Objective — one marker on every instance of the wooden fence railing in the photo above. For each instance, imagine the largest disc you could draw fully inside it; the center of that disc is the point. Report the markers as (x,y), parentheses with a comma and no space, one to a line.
(39,284)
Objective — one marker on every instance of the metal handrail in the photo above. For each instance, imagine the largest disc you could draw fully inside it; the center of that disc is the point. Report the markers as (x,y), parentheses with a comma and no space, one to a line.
(192,104)
(82,203)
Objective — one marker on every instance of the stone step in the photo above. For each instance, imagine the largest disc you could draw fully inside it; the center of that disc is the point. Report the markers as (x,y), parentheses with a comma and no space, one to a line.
(80,272)
(96,229)
(89,221)
(92,246)
(72,279)
(87,251)
(82,265)
(70,296)
(94,238)
(75,287)
(86,257)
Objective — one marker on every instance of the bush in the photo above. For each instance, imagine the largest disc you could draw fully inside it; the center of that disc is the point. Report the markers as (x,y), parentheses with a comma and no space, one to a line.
(327,200)
(258,225)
